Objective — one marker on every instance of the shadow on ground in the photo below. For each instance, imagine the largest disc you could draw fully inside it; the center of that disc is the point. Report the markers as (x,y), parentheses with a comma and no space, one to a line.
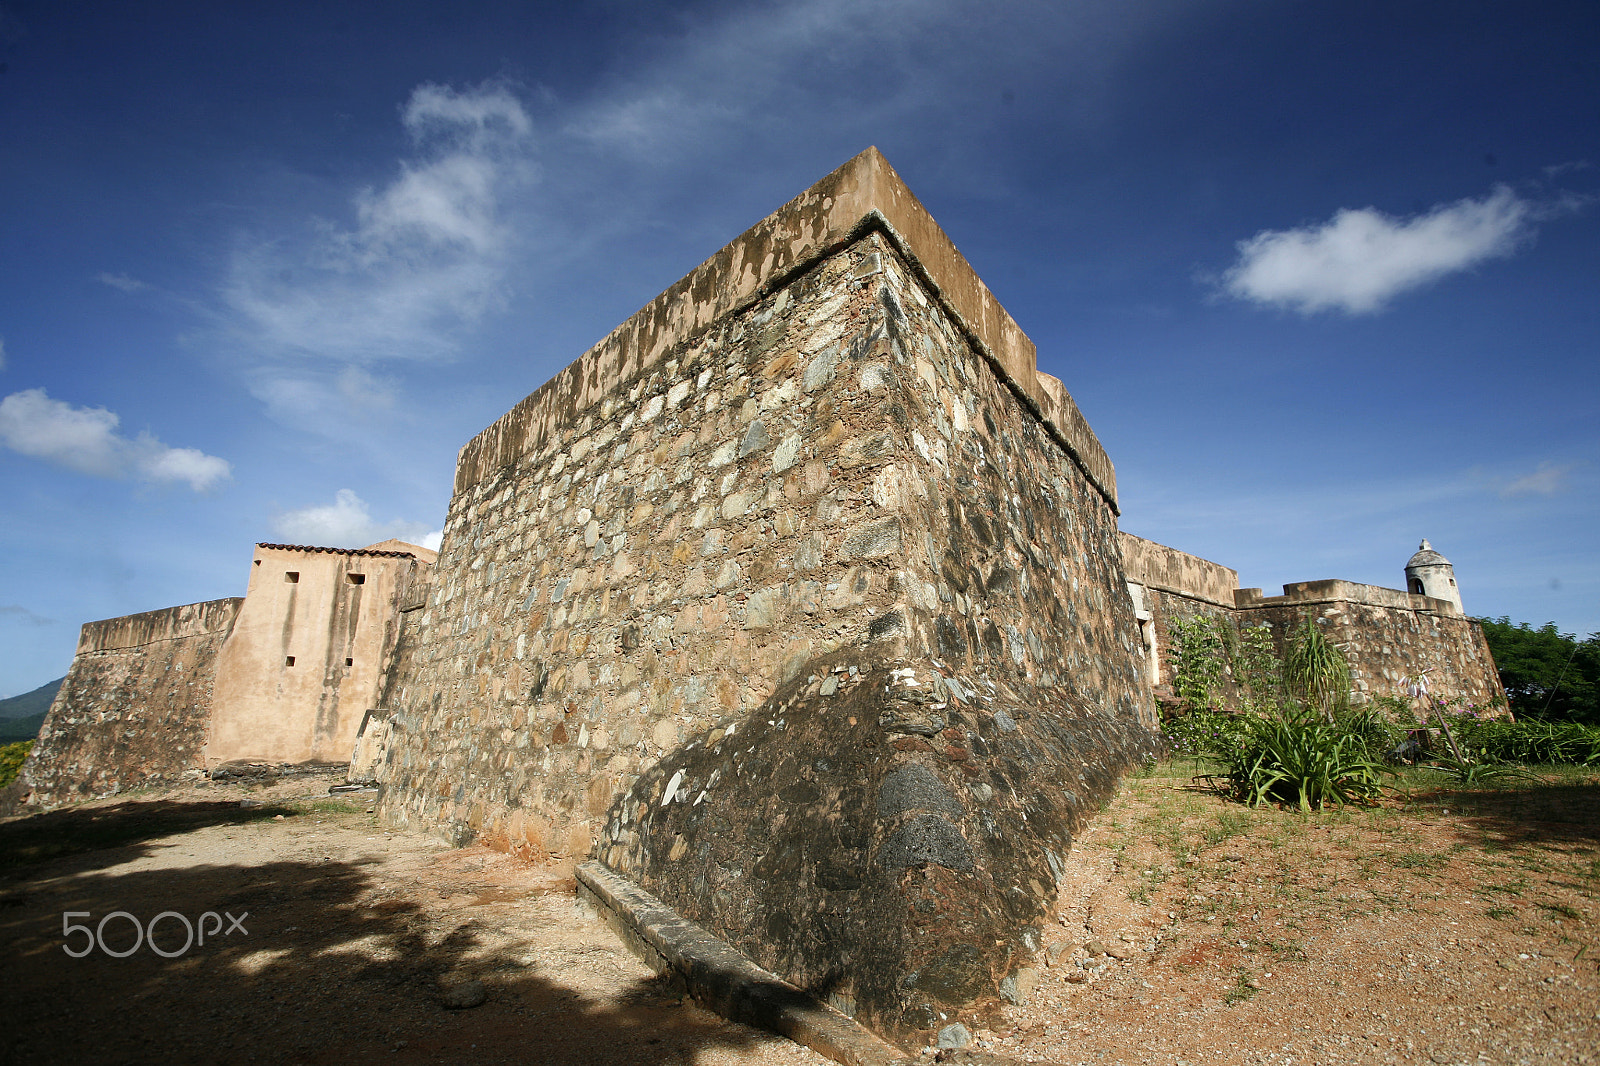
(100,831)
(1511,815)
(321,974)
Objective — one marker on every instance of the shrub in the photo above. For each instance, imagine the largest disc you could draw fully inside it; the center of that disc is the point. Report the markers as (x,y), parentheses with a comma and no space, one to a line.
(1315,670)
(1214,665)
(1256,670)
(1299,757)
(1199,657)
(1531,740)
(1204,733)
(1370,729)
(12,756)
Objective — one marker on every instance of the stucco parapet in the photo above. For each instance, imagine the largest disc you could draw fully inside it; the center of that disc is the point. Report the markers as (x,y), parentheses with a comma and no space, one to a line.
(863,195)
(1309,593)
(1170,570)
(168,623)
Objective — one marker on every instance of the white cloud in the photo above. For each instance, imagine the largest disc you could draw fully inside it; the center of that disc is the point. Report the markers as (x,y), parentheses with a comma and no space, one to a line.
(1571,167)
(1362,258)
(909,70)
(122,281)
(22,614)
(425,256)
(157,462)
(338,402)
(347,523)
(85,439)
(1549,479)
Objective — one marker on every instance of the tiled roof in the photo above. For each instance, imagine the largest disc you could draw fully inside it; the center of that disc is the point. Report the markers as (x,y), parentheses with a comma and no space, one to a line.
(335,551)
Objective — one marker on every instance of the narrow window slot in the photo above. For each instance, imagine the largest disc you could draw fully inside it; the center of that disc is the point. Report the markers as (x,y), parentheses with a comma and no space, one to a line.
(288,660)
(356,579)
(292,576)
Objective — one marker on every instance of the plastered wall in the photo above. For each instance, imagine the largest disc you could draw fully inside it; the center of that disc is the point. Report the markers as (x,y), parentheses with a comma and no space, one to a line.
(309,651)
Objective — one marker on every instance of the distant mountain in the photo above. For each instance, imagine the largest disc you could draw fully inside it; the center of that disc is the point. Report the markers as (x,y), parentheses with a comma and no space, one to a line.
(31,703)
(15,729)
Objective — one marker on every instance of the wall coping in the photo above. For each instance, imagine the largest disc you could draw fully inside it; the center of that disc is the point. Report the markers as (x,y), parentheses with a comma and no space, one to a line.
(1158,566)
(165,623)
(864,195)
(1334,590)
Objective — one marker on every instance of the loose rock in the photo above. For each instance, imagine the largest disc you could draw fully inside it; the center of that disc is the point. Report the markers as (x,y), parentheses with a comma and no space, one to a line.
(464,996)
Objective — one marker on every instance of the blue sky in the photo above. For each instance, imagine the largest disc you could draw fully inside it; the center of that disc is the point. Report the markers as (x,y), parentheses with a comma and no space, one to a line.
(1324,277)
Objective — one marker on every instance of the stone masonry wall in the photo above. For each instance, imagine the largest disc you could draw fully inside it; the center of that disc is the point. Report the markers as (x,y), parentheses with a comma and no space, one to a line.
(828,523)
(1386,634)
(135,706)
(658,568)
(1167,607)
(889,828)
(1386,641)
(1170,584)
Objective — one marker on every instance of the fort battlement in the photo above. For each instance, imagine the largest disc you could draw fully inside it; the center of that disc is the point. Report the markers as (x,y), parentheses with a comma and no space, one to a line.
(1388,636)
(864,195)
(798,601)
(1334,590)
(801,582)
(135,706)
(1156,566)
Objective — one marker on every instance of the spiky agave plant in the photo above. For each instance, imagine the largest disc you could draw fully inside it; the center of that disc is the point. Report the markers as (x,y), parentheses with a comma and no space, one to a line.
(1297,758)
(1315,671)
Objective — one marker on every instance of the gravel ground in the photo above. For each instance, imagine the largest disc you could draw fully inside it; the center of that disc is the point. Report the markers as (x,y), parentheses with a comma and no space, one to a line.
(1442,927)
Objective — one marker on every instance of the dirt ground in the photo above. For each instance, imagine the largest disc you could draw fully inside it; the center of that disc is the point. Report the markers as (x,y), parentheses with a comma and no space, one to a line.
(1443,927)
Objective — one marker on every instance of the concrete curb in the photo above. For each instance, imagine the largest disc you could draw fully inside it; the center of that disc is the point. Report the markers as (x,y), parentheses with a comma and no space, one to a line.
(721,978)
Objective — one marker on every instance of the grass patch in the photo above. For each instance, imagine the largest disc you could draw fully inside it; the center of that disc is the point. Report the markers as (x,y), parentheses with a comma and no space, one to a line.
(1420,860)
(1228,824)
(1244,987)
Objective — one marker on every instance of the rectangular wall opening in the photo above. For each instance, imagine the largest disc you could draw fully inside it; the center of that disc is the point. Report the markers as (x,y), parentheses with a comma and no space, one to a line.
(288,660)
(349,662)
(292,576)
(356,579)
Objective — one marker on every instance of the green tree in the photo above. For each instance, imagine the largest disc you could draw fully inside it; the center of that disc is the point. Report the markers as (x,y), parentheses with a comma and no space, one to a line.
(12,756)
(1546,673)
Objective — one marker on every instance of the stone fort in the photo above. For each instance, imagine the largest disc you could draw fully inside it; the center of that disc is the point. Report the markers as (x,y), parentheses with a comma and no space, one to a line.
(799,600)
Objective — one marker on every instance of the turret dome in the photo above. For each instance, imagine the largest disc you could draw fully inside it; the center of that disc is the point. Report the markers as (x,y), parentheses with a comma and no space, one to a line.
(1430,574)
(1426,556)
